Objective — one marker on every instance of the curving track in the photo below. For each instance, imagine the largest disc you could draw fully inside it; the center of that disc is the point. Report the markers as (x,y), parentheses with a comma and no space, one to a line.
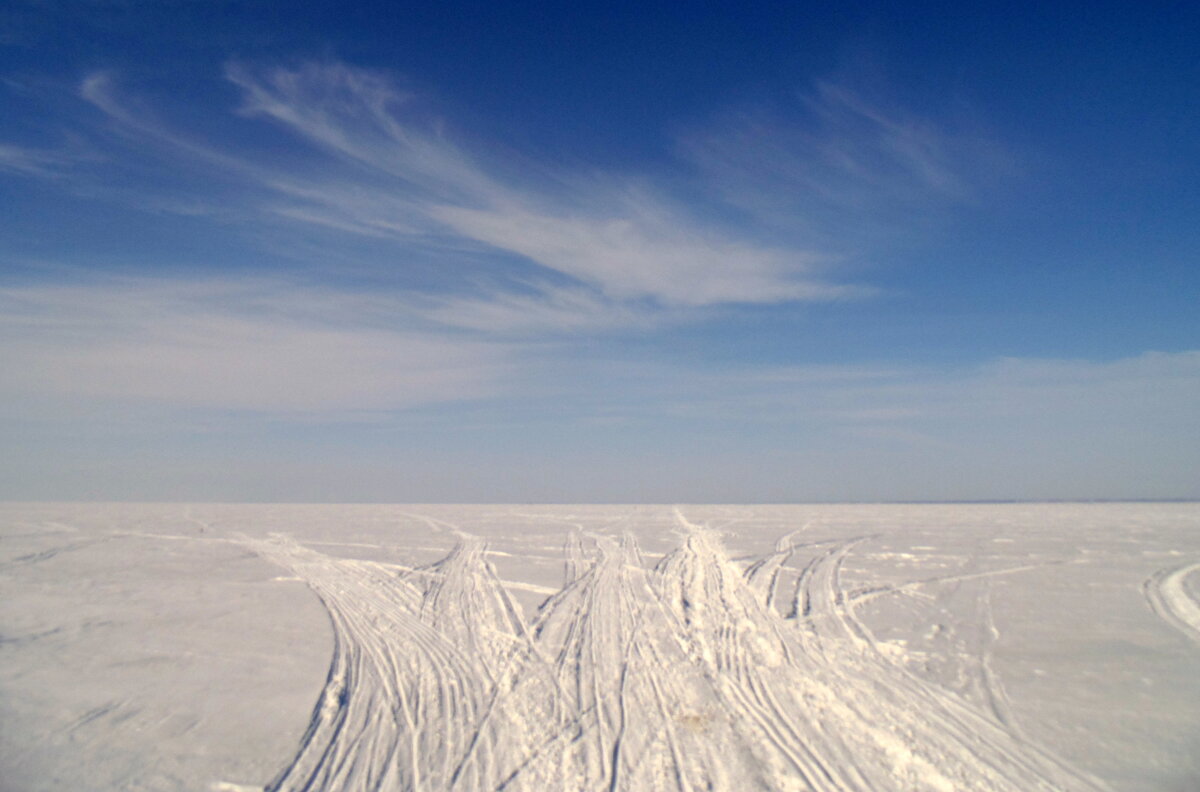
(682,676)
(1168,597)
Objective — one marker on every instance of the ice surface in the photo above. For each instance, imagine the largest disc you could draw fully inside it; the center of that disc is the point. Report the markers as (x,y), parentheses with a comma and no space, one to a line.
(951,647)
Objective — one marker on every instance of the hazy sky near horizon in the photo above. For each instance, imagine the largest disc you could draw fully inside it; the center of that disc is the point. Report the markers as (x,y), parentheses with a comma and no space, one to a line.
(599,252)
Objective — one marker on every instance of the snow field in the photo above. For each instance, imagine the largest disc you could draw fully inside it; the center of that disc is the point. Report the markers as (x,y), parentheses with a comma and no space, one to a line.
(633,648)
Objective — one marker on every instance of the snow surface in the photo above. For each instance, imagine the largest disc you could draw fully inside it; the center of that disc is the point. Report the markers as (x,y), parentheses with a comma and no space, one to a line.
(948,647)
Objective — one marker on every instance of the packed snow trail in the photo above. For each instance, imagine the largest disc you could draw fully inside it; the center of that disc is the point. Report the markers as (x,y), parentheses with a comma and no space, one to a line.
(678,676)
(1169,598)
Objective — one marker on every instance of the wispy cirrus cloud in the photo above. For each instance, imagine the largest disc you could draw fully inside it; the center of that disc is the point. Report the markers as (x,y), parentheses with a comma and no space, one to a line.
(623,241)
(362,116)
(819,178)
(543,308)
(140,123)
(395,174)
(647,254)
(31,162)
(842,166)
(518,258)
(559,252)
(370,159)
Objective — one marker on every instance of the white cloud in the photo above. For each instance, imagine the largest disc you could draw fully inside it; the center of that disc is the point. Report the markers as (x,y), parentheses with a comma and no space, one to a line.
(383,166)
(30,162)
(541,310)
(140,123)
(628,244)
(229,346)
(632,255)
(357,113)
(616,250)
(110,359)
(840,167)
(387,169)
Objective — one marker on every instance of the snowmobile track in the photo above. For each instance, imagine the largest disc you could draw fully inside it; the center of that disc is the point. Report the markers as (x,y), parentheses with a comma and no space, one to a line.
(682,676)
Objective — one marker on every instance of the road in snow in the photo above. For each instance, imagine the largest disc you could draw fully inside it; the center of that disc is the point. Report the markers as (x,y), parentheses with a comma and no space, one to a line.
(636,648)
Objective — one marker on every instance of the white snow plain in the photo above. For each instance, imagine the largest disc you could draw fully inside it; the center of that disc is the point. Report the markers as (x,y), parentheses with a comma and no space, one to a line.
(868,648)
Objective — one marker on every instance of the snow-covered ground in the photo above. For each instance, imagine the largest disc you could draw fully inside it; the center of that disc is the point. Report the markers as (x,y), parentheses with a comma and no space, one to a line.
(951,647)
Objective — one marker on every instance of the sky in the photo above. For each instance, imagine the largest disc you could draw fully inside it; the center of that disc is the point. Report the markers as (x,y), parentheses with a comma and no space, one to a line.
(599,252)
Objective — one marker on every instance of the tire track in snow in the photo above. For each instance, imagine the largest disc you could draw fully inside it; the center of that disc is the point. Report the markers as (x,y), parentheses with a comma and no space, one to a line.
(933,738)
(1169,599)
(993,688)
(680,676)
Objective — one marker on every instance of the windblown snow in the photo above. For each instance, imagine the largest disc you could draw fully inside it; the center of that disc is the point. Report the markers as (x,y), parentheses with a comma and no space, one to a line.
(832,649)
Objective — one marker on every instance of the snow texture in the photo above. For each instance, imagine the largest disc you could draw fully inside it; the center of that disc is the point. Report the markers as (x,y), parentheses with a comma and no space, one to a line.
(828,648)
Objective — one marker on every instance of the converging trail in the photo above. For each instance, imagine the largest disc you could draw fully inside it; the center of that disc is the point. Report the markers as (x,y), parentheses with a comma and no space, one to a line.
(679,675)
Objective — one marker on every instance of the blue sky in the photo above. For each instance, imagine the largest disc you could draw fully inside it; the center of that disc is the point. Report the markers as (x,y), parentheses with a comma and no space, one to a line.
(599,252)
